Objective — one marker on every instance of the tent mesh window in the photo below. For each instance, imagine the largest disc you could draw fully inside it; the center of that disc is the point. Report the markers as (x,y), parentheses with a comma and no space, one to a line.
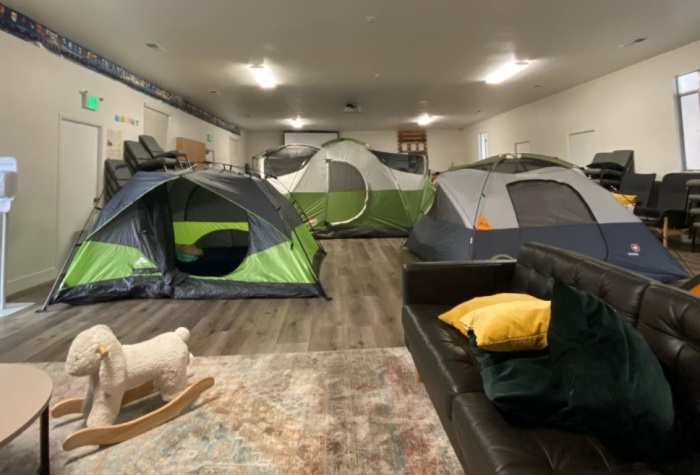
(213,224)
(288,159)
(547,203)
(402,162)
(347,193)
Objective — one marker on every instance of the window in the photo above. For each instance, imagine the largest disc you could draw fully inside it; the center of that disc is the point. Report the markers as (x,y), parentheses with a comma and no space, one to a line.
(155,124)
(689,103)
(483,145)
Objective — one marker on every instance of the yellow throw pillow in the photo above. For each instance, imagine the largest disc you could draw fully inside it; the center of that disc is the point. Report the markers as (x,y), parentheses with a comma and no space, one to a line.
(453,316)
(512,326)
(625,199)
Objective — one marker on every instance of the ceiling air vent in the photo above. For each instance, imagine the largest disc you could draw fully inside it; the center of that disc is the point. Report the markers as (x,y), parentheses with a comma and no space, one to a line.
(155,47)
(351,108)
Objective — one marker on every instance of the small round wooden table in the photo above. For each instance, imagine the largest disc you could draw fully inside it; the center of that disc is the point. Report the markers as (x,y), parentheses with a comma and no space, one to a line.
(24,396)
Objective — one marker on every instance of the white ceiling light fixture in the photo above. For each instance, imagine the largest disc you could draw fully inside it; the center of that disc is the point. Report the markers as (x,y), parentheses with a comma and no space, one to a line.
(425,119)
(263,76)
(297,123)
(505,72)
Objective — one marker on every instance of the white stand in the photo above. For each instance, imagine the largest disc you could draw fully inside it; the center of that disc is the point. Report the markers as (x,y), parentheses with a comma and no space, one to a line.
(6,309)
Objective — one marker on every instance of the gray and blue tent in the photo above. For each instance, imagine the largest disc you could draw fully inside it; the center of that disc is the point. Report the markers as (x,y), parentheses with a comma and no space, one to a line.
(489,209)
(253,241)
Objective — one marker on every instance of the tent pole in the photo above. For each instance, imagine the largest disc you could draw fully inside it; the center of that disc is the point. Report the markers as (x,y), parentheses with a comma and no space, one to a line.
(56,282)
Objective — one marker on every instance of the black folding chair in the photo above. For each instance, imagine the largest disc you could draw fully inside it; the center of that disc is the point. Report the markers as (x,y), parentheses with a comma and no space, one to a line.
(609,168)
(117,173)
(670,214)
(138,159)
(176,157)
(640,185)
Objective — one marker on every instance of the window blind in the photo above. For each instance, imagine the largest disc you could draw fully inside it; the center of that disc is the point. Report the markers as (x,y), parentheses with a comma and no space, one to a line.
(155,124)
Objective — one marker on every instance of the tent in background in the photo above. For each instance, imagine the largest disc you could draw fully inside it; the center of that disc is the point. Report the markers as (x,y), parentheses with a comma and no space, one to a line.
(489,209)
(254,243)
(282,161)
(347,189)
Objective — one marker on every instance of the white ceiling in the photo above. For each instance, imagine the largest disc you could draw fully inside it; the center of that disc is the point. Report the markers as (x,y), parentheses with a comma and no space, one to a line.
(431,55)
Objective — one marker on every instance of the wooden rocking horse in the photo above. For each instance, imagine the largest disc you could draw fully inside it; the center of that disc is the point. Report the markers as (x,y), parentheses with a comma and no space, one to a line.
(157,364)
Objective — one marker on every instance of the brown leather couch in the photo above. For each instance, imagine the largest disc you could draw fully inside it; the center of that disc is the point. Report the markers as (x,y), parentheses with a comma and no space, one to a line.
(668,318)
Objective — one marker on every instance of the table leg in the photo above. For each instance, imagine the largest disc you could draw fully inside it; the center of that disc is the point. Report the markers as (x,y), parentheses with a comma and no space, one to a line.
(44,468)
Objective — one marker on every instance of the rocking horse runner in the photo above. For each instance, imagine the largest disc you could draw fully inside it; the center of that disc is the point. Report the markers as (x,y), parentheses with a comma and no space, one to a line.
(120,374)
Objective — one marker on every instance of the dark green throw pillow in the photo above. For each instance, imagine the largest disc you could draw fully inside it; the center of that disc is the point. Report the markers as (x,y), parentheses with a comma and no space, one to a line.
(615,384)
(598,377)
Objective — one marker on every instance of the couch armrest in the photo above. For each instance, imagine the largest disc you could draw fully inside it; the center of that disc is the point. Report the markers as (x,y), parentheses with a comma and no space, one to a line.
(450,283)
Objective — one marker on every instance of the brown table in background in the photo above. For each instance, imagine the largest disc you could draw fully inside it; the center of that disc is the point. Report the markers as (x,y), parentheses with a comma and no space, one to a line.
(24,395)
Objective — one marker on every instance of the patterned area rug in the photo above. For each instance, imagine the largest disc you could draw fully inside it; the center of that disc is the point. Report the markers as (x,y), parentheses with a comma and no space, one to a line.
(349,412)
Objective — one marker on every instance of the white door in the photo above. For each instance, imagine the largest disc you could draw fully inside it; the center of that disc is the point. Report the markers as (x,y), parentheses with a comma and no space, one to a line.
(582,147)
(234,155)
(522,147)
(78,158)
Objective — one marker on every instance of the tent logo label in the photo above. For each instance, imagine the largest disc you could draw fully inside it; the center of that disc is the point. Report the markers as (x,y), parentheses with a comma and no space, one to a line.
(635,250)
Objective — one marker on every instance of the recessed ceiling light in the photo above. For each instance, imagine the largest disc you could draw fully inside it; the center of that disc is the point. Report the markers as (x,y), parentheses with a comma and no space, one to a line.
(425,119)
(377,75)
(155,47)
(506,72)
(634,42)
(214,92)
(263,76)
(297,123)
(371,19)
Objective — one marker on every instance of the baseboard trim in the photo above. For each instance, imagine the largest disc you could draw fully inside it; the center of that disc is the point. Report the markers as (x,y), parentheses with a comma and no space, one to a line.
(32,280)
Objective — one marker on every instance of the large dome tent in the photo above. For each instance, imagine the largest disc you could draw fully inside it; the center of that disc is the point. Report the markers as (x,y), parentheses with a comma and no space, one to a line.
(252,242)
(346,189)
(489,209)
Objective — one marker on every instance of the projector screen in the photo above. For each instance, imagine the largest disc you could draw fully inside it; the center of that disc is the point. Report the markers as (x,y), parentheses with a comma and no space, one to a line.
(315,139)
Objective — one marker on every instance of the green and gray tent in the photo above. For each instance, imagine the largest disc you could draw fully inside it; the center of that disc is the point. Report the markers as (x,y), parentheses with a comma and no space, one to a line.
(346,189)
(254,243)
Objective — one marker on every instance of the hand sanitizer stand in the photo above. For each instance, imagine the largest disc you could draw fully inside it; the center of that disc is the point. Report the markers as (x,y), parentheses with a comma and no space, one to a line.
(8,188)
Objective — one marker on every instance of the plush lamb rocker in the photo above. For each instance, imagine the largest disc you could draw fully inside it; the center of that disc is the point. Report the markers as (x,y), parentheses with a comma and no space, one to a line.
(114,368)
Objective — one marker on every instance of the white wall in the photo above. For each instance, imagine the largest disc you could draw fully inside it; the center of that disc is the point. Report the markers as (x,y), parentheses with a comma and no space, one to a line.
(382,140)
(258,142)
(445,148)
(36,87)
(634,108)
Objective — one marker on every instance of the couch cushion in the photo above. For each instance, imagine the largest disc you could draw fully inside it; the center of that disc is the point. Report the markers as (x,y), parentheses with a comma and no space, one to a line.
(489,445)
(441,353)
(538,265)
(442,357)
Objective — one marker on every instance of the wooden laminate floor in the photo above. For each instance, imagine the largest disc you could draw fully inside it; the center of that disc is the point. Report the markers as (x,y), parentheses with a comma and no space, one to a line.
(363,277)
